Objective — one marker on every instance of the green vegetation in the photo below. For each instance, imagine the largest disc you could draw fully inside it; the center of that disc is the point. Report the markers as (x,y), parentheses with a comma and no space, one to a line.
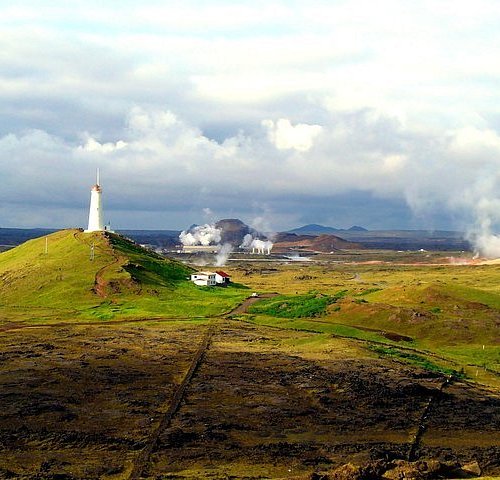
(309,325)
(474,355)
(414,359)
(117,334)
(147,267)
(297,306)
(450,310)
(61,279)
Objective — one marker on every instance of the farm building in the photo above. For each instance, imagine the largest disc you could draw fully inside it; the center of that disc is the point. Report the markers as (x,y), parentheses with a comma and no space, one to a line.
(210,279)
(222,278)
(206,279)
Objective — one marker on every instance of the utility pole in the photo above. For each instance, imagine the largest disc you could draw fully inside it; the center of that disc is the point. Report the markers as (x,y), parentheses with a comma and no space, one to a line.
(46,246)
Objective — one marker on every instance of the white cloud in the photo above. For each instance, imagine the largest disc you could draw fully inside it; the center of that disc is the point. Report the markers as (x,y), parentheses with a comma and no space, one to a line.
(394,162)
(476,142)
(390,98)
(286,136)
(93,145)
(173,161)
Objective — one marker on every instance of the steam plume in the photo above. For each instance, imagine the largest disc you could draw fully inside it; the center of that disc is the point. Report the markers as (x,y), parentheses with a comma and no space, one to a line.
(256,245)
(201,235)
(486,208)
(223,254)
(247,241)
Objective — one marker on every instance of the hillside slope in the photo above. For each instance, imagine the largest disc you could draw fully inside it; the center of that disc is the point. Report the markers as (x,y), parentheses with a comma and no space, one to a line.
(120,278)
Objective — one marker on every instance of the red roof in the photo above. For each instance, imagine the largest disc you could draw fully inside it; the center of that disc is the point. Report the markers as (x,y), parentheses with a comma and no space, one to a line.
(222,274)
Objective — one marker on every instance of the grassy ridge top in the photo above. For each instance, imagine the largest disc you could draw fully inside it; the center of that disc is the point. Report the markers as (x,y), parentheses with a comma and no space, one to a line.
(122,279)
(31,277)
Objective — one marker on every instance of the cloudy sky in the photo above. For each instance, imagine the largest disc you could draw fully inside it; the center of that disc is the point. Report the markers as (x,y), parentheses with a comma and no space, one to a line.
(382,114)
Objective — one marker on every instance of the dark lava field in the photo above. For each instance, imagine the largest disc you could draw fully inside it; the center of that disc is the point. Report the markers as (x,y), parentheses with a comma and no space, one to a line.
(227,399)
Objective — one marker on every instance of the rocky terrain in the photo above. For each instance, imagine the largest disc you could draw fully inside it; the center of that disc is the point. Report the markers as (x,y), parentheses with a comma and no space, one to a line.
(136,401)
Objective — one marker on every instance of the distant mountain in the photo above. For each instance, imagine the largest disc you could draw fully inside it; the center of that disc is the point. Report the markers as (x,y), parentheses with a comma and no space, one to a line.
(313,243)
(284,237)
(313,229)
(356,228)
(234,230)
(330,243)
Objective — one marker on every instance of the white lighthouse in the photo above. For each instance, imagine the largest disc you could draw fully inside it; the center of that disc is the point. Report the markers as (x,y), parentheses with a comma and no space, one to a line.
(96,223)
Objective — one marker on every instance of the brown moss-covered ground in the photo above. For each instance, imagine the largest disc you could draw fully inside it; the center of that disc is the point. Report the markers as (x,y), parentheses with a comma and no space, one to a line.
(83,402)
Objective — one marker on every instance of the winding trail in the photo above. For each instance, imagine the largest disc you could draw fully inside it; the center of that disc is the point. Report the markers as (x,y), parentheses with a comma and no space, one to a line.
(100,283)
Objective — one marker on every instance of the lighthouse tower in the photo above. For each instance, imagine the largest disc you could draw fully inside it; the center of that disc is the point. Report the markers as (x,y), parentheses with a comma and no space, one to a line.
(96,223)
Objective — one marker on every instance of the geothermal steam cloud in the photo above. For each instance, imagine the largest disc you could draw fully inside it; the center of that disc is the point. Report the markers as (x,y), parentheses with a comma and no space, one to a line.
(201,235)
(256,245)
(205,235)
(223,254)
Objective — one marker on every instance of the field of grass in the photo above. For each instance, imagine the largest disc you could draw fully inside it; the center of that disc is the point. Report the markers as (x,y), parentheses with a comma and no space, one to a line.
(415,359)
(297,306)
(450,311)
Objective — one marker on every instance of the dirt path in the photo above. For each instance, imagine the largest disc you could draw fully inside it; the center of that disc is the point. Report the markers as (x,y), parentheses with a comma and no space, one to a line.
(143,458)
(245,305)
(100,283)
(422,422)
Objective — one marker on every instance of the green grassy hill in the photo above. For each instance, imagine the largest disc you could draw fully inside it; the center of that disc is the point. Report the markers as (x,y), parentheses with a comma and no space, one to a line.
(122,279)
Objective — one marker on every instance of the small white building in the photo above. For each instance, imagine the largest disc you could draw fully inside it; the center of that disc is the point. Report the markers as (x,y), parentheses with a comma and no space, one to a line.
(204,279)
(222,278)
